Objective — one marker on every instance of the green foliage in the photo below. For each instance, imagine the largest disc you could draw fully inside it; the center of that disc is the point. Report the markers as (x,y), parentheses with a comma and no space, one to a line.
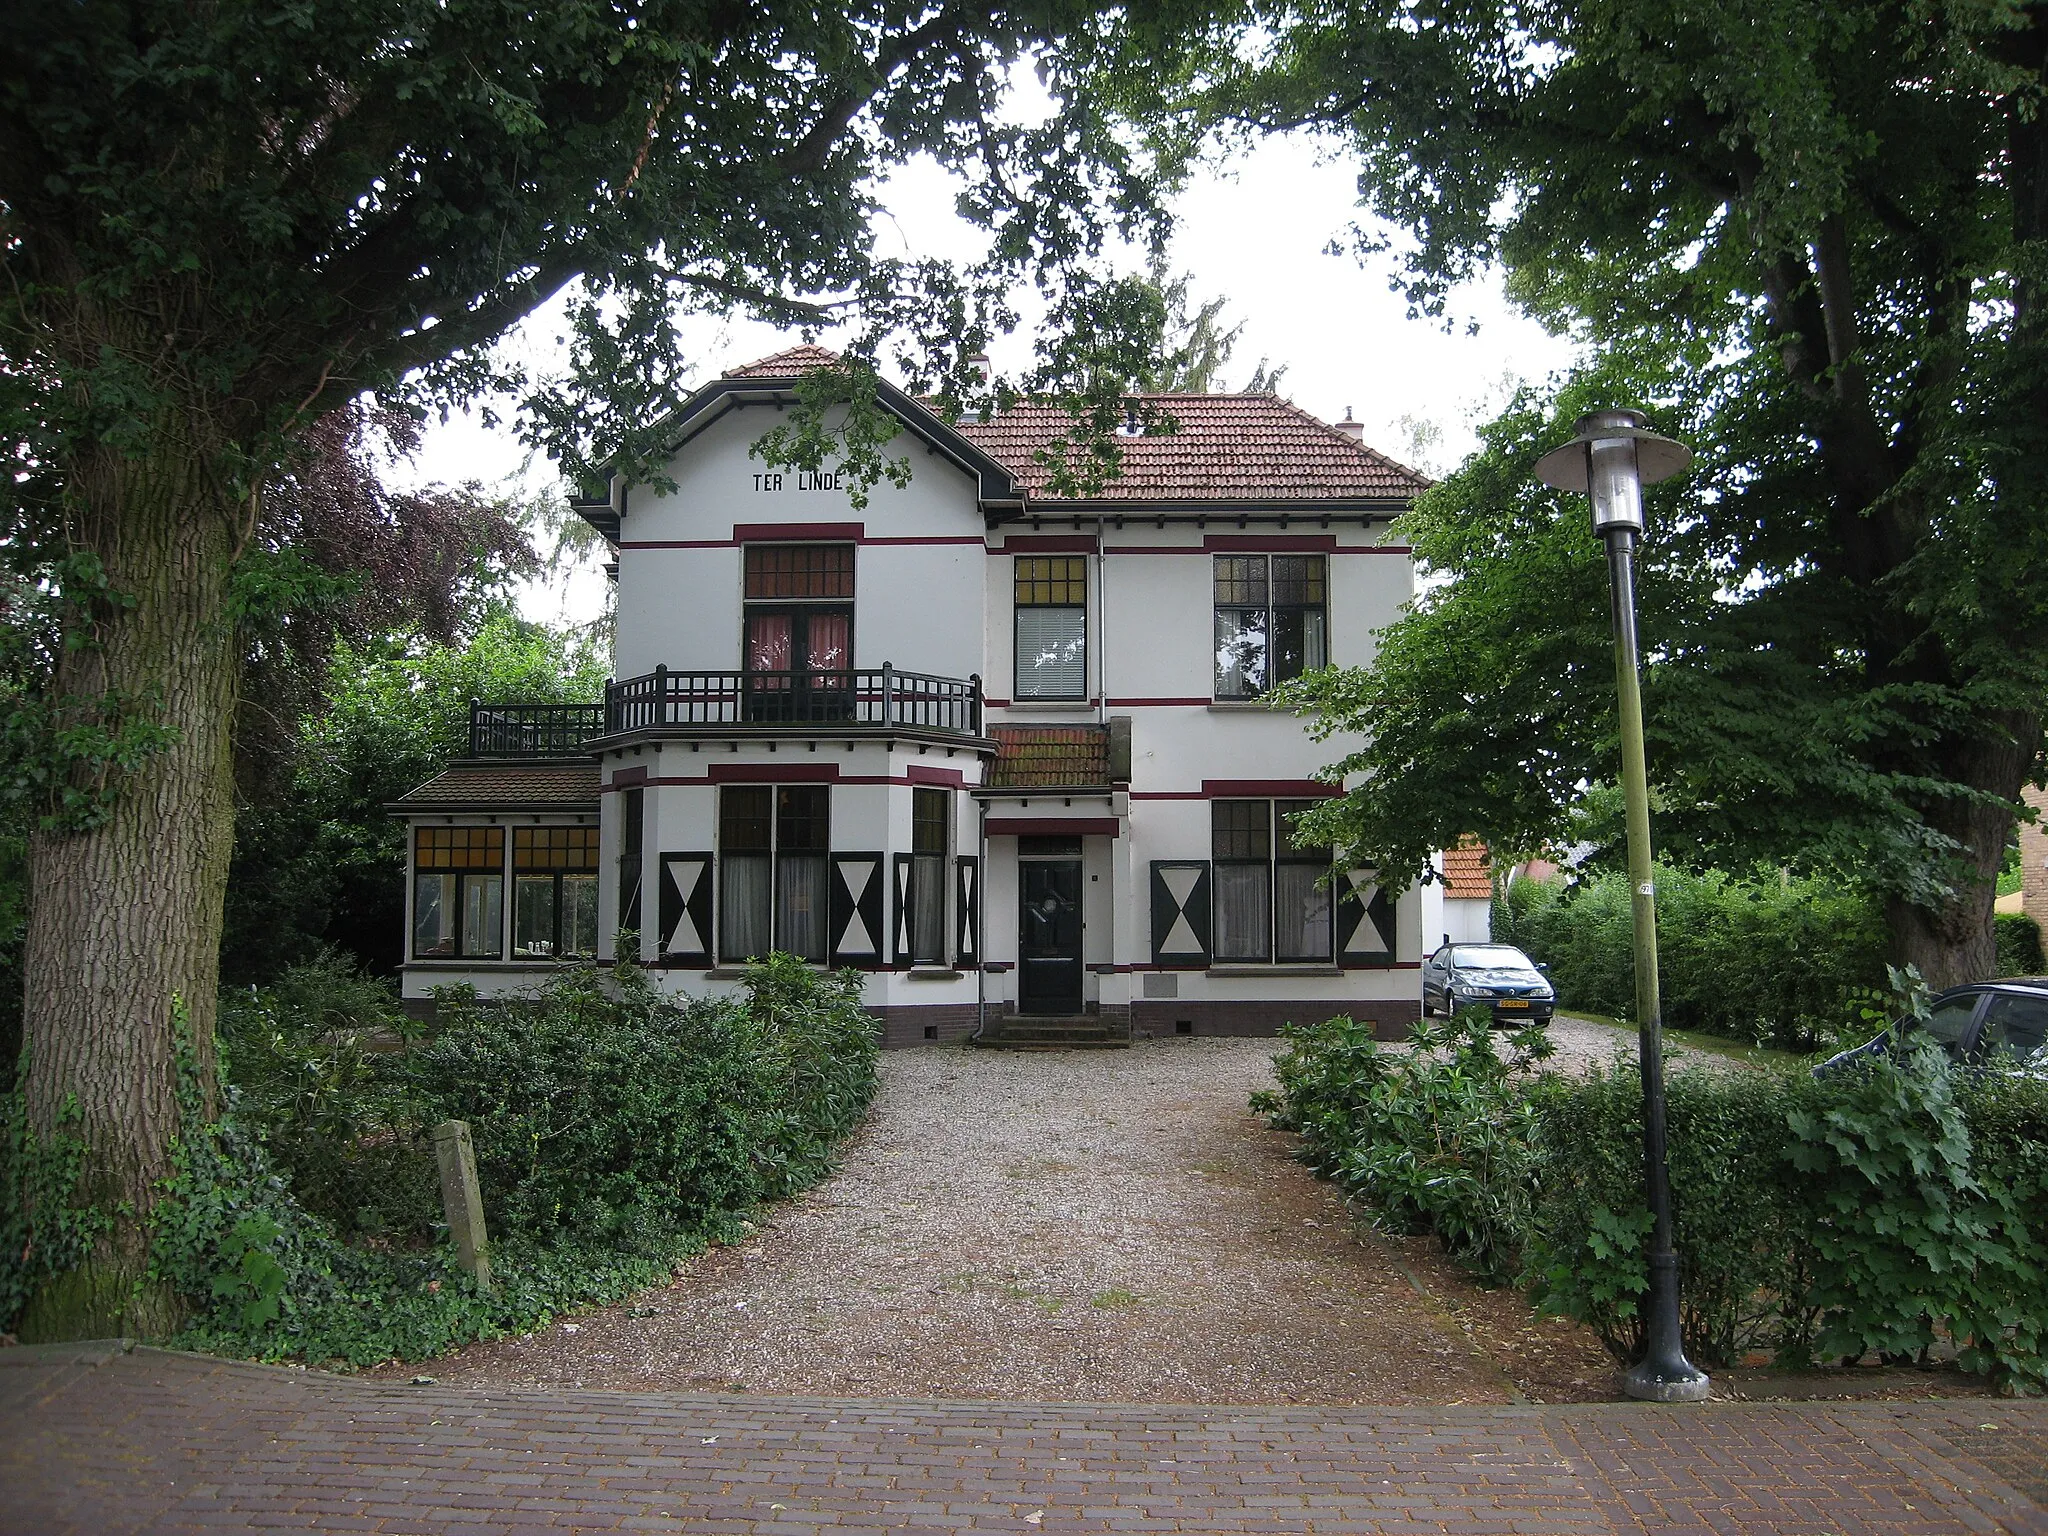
(616,1132)
(2019,945)
(44,1229)
(1431,1139)
(1788,231)
(1890,1211)
(1775,960)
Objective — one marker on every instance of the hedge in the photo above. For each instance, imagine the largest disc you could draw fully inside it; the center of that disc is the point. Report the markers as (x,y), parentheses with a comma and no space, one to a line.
(1895,1211)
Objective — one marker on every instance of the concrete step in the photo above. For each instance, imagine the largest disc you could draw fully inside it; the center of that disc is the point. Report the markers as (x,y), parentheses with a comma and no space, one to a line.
(1024,1031)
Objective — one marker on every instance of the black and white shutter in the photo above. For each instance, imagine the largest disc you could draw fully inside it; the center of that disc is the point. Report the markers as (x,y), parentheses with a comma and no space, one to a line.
(1180,913)
(906,923)
(686,888)
(1365,919)
(857,909)
(967,911)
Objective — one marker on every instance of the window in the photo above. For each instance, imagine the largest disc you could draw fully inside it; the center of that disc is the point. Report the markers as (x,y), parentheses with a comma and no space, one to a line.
(773,843)
(1271,623)
(1052,626)
(554,893)
(632,814)
(458,893)
(1272,898)
(798,646)
(931,813)
(2018,1025)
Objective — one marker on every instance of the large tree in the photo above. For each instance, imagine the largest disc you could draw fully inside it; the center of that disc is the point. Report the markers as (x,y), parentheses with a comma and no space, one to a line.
(1812,235)
(218,221)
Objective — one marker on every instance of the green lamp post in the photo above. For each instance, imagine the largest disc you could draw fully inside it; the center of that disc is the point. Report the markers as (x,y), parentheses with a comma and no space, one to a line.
(1612,457)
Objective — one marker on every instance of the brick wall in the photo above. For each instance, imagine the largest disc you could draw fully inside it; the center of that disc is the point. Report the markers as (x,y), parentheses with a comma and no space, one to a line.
(907,1024)
(2034,860)
(1391,1017)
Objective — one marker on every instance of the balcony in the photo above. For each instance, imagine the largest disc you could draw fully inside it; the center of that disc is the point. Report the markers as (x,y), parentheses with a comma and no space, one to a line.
(666,701)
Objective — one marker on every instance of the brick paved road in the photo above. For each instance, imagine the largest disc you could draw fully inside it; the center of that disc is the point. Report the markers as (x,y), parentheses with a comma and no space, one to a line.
(108,1442)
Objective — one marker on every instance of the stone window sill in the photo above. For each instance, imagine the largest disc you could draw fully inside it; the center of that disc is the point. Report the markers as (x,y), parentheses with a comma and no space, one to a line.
(1275,970)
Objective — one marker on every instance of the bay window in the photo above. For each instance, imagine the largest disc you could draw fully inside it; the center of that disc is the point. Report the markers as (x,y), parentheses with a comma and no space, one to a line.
(458,893)
(773,868)
(554,893)
(1052,626)
(1271,896)
(1272,621)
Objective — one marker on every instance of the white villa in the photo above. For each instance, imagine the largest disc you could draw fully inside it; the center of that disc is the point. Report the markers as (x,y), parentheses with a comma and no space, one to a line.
(1004,752)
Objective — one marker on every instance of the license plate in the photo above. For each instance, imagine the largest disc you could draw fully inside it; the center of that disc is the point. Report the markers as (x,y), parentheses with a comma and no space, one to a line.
(1512,1002)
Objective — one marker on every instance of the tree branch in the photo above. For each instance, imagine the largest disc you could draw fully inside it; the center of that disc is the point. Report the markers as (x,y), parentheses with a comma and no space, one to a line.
(809,153)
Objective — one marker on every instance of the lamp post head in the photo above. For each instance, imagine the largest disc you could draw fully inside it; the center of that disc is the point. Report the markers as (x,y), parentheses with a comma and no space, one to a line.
(1613,455)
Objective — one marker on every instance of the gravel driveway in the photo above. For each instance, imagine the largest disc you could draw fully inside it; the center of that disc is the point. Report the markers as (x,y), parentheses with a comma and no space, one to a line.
(1087,1225)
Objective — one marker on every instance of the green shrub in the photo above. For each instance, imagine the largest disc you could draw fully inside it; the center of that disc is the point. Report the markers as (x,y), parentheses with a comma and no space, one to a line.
(2019,945)
(1770,960)
(1879,1212)
(1430,1139)
(617,1131)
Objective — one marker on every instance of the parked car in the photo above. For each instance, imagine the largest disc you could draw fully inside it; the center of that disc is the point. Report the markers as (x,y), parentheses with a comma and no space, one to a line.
(1975,1024)
(1497,977)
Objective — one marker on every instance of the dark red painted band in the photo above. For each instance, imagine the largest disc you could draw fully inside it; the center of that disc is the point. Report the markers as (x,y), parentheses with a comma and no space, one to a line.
(1054,826)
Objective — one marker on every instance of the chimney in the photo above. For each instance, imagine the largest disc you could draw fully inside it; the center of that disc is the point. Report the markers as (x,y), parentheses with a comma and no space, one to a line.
(1355,430)
(984,370)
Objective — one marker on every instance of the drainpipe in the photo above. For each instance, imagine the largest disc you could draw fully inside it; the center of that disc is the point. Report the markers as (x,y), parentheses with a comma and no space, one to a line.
(981,927)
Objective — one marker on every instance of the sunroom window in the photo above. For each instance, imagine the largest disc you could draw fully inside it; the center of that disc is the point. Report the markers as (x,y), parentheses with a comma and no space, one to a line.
(458,893)
(554,893)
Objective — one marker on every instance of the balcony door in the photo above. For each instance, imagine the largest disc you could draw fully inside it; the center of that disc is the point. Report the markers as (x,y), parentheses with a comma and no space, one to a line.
(798,644)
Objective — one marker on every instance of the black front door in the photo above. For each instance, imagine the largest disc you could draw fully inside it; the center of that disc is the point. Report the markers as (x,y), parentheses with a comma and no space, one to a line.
(1049,947)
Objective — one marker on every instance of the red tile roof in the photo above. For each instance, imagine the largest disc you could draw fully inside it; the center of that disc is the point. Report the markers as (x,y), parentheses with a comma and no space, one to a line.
(1465,872)
(1050,756)
(559,786)
(1223,448)
(786,365)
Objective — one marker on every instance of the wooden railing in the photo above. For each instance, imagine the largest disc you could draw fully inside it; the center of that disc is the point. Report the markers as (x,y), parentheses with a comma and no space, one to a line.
(666,699)
(879,697)
(532,730)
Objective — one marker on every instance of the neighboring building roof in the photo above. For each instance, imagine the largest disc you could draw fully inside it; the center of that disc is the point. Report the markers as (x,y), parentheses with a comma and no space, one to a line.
(790,364)
(1223,448)
(551,786)
(1050,756)
(1465,872)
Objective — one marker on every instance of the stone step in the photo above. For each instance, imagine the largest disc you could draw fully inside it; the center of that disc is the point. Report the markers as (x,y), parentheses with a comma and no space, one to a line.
(1024,1031)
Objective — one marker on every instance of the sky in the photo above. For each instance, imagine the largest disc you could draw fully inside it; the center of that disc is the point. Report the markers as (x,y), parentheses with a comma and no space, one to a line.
(1256,235)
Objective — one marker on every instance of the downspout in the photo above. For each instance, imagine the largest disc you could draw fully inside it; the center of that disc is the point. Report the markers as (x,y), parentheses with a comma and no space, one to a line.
(980,926)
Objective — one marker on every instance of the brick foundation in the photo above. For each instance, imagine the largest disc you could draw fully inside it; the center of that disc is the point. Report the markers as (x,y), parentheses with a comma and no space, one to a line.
(1391,1017)
(906,1024)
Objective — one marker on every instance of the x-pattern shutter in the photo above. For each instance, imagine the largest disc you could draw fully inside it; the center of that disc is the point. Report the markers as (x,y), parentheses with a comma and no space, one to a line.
(1365,920)
(686,887)
(967,911)
(1180,913)
(905,917)
(857,908)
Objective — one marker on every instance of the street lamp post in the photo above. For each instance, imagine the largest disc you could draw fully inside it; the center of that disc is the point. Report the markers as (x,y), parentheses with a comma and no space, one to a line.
(1612,457)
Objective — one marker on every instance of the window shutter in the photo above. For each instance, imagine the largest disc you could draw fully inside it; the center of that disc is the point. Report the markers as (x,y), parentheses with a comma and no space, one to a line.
(904,915)
(857,905)
(967,911)
(686,887)
(1365,920)
(1180,914)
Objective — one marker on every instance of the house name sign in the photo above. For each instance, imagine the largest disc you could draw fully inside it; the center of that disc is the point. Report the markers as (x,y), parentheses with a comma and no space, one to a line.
(806,480)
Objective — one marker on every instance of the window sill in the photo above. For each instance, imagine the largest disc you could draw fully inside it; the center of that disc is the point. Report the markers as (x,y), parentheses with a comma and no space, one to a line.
(1034,705)
(1284,968)
(933,973)
(1247,707)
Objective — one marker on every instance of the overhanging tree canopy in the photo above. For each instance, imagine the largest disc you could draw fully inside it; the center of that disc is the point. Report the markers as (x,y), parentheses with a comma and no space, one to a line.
(1811,236)
(221,220)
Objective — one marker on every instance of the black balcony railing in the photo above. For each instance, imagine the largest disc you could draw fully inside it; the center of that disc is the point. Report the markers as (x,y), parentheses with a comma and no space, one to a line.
(665,699)
(532,730)
(879,697)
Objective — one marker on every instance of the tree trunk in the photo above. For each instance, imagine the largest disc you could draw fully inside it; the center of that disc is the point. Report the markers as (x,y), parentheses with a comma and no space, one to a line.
(1957,942)
(125,918)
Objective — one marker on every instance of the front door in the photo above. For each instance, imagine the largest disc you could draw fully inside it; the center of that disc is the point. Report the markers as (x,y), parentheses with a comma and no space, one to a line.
(1049,948)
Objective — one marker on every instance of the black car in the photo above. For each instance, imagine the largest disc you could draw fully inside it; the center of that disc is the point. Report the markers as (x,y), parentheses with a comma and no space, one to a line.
(1973,1024)
(1498,977)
